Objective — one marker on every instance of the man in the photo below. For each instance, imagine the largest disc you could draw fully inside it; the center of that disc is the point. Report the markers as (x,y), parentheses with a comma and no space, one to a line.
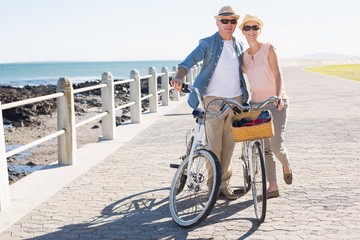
(220,77)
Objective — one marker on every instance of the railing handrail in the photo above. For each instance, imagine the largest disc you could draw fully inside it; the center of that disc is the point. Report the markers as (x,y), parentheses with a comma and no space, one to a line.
(30,100)
(66,132)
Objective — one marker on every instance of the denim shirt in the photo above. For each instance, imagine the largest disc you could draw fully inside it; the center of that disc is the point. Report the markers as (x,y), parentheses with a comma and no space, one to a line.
(208,51)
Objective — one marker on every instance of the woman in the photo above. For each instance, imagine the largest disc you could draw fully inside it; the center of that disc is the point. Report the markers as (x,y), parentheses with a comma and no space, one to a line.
(263,72)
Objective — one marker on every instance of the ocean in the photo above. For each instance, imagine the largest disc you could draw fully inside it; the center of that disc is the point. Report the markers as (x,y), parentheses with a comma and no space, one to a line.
(43,73)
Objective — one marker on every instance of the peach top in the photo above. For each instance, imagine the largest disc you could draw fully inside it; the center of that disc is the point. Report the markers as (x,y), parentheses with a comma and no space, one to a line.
(259,75)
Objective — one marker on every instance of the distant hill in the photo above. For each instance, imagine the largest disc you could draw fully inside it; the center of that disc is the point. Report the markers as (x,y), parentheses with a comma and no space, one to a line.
(321,55)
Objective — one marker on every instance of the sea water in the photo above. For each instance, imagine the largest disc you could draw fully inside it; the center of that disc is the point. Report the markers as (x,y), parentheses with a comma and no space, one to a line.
(43,73)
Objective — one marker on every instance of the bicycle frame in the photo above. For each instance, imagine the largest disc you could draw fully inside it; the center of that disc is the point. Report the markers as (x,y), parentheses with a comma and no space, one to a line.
(198,135)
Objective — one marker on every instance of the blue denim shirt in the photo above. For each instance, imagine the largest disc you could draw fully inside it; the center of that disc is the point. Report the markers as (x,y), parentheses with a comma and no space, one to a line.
(208,51)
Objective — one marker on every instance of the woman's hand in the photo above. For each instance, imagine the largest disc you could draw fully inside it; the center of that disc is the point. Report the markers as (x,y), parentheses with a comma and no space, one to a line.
(280,104)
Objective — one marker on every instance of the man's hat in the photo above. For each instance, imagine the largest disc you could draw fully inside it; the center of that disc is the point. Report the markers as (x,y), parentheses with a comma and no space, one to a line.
(226,11)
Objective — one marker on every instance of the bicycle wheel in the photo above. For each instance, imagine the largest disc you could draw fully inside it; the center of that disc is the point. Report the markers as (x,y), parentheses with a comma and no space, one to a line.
(193,197)
(259,184)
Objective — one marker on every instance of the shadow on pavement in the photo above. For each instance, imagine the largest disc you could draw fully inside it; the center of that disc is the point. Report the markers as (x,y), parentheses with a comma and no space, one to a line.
(146,216)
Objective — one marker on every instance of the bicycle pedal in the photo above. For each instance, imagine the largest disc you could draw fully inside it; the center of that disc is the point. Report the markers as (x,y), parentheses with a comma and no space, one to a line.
(173,165)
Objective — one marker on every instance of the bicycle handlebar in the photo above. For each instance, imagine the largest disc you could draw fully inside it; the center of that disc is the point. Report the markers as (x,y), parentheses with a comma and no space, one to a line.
(232,102)
(227,103)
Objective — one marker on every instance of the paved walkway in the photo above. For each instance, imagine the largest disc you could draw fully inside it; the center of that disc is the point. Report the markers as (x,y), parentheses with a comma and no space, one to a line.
(125,195)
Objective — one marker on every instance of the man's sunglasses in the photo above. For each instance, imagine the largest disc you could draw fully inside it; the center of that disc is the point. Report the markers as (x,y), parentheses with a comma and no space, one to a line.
(226,21)
(255,28)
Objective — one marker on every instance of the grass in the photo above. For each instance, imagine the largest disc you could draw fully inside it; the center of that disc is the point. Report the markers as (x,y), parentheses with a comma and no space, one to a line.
(348,71)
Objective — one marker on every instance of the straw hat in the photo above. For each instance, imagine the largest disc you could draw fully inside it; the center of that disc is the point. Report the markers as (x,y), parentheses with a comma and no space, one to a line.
(250,18)
(226,11)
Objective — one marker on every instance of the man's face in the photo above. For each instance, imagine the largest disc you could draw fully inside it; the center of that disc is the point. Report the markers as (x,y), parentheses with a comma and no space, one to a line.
(227,26)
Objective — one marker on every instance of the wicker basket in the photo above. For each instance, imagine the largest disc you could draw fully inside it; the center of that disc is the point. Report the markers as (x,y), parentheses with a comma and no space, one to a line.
(250,133)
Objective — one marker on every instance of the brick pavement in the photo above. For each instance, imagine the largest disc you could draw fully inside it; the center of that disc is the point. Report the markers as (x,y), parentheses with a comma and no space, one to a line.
(125,196)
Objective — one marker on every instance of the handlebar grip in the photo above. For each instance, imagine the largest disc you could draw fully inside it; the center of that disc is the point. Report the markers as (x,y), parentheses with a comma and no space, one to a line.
(185,88)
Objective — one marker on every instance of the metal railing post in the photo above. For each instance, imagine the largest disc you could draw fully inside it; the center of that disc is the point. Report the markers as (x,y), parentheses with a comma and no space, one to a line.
(154,99)
(66,121)
(108,105)
(4,175)
(165,98)
(135,96)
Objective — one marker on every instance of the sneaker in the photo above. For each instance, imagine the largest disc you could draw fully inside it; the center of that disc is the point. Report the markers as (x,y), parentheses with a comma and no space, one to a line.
(228,193)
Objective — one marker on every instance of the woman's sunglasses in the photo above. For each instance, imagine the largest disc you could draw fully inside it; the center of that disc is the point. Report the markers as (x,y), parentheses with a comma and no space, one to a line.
(226,21)
(255,28)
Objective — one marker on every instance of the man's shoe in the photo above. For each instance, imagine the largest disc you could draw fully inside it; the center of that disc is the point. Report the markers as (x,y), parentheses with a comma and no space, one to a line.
(228,193)
(273,194)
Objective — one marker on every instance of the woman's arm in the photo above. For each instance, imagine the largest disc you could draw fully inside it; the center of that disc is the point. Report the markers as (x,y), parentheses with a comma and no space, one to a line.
(274,65)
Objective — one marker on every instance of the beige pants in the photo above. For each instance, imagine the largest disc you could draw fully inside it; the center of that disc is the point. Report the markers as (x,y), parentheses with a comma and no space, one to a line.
(220,141)
(274,147)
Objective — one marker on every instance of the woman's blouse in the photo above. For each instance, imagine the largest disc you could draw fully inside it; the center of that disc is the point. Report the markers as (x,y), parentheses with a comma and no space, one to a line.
(259,74)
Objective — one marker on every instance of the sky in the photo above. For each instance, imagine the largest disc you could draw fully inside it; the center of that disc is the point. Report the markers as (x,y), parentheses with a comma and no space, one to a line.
(128,30)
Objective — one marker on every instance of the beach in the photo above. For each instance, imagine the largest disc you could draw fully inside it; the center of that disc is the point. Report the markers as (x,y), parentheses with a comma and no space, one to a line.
(34,121)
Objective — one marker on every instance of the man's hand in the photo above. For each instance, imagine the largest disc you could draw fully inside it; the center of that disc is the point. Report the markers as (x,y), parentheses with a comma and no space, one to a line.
(178,80)
(177,83)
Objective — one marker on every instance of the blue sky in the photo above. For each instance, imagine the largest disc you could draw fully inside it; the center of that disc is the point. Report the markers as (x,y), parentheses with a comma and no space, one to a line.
(111,30)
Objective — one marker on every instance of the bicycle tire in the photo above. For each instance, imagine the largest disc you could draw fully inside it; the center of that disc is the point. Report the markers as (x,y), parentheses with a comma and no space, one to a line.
(259,184)
(190,204)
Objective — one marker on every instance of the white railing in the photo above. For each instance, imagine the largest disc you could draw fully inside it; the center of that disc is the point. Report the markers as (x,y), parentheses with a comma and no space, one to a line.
(66,125)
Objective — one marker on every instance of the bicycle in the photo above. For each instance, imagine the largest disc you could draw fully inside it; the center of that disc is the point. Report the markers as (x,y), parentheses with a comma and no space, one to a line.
(252,151)
(196,183)
(192,198)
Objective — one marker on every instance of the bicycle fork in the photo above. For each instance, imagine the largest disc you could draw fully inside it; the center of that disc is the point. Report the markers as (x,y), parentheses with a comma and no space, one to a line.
(194,182)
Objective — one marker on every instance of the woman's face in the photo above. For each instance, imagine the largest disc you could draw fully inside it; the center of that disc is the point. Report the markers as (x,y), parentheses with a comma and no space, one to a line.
(251,30)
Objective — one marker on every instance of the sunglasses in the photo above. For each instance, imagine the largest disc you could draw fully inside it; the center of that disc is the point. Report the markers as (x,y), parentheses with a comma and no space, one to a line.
(255,28)
(226,21)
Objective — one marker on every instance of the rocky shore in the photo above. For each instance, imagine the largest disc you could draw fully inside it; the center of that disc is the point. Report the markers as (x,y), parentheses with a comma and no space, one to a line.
(30,122)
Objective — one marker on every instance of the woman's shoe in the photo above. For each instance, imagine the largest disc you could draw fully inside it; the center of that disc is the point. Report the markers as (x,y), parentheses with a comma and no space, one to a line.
(288,177)
(273,194)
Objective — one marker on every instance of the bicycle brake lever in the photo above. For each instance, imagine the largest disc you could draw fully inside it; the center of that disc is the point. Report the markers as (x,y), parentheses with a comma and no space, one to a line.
(222,106)
(236,110)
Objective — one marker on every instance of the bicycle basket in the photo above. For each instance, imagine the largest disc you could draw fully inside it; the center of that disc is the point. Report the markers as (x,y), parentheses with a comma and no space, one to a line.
(252,125)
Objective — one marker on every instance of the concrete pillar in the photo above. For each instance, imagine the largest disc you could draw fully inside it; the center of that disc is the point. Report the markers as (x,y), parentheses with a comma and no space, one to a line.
(165,96)
(154,99)
(4,175)
(66,121)
(135,96)
(108,105)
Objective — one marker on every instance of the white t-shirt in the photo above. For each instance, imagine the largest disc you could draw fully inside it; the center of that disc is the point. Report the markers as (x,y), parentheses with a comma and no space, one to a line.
(225,81)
